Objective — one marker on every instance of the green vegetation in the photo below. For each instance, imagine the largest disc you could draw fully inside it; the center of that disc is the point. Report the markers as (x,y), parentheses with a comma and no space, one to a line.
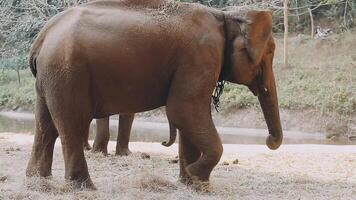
(13,94)
(325,90)
(321,76)
(300,88)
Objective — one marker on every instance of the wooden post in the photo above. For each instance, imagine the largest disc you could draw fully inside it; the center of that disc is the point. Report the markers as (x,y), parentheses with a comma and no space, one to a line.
(345,22)
(311,23)
(297,10)
(285,4)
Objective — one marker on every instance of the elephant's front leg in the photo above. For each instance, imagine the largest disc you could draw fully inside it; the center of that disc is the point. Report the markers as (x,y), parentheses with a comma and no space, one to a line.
(123,137)
(210,145)
(188,154)
(200,150)
(200,147)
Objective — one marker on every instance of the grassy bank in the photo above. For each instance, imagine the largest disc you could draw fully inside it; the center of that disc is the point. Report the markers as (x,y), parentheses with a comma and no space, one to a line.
(15,95)
(321,75)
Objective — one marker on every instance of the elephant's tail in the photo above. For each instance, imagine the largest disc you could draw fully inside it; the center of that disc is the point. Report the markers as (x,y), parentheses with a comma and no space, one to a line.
(172,135)
(35,50)
(32,63)
(37,43)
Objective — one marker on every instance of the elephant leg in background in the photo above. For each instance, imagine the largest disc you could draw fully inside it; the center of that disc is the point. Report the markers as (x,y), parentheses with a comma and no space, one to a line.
(188,154)
(123,136)
(45,138)
(102,135)
(86,144)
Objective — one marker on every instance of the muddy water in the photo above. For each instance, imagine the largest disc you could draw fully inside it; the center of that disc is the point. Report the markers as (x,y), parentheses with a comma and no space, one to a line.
(157,132)
(21,125)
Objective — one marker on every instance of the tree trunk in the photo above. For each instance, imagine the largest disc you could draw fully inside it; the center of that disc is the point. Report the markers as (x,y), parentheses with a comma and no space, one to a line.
(311,23)
(285,33)
(18,75)
(297,10)
(221,3)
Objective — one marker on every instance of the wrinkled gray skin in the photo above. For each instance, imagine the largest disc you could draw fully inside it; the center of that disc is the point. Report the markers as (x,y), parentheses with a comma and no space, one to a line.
(115,57)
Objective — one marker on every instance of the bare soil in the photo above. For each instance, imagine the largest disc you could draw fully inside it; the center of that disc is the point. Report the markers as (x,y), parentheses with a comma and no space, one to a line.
(244,172)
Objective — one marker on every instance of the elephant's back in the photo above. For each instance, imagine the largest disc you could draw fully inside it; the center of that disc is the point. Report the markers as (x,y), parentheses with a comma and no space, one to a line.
(119,18)
(157,10)
(130,28)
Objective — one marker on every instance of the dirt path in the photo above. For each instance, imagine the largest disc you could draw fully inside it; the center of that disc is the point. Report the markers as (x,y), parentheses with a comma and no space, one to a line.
(292,172)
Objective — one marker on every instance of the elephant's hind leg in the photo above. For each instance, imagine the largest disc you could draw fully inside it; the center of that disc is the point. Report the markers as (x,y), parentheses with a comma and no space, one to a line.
(45,138)
(72,128)
(71,110)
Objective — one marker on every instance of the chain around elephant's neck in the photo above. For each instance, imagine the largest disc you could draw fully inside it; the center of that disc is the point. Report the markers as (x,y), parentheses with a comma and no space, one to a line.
(217,93)
(219,88)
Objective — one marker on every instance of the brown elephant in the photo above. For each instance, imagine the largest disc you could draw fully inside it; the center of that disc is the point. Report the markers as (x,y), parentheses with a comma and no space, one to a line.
(123,137)
(109,57)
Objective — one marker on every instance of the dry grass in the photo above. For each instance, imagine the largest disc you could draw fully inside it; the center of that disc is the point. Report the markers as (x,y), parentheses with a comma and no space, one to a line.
(293,172)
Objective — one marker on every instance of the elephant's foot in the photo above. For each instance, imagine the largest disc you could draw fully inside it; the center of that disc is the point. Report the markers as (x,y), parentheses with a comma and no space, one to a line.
(201,186)
(123,152)
(100,149)
(78,178)
(195,183)
(32,171)
(86,146)
(82,184)
(197,173)
(42,169)
(183,175)
(185,179)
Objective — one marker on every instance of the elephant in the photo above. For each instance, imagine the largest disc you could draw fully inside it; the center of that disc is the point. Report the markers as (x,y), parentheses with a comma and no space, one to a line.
(122,148)
(114,57)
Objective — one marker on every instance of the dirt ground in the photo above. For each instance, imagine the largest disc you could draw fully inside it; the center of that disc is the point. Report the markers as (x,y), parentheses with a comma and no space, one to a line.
(291,172)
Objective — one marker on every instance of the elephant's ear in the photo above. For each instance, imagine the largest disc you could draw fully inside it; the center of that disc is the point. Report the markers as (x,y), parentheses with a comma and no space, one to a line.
(257,28)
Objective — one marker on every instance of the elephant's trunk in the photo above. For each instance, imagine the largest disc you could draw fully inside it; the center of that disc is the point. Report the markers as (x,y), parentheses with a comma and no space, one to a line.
(269,103)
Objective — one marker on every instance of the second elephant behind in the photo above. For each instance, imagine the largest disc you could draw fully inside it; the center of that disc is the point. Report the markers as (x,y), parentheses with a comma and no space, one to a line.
(123,137)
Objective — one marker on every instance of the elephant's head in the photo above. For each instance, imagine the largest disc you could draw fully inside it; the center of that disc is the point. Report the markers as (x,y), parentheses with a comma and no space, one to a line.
(248,61)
